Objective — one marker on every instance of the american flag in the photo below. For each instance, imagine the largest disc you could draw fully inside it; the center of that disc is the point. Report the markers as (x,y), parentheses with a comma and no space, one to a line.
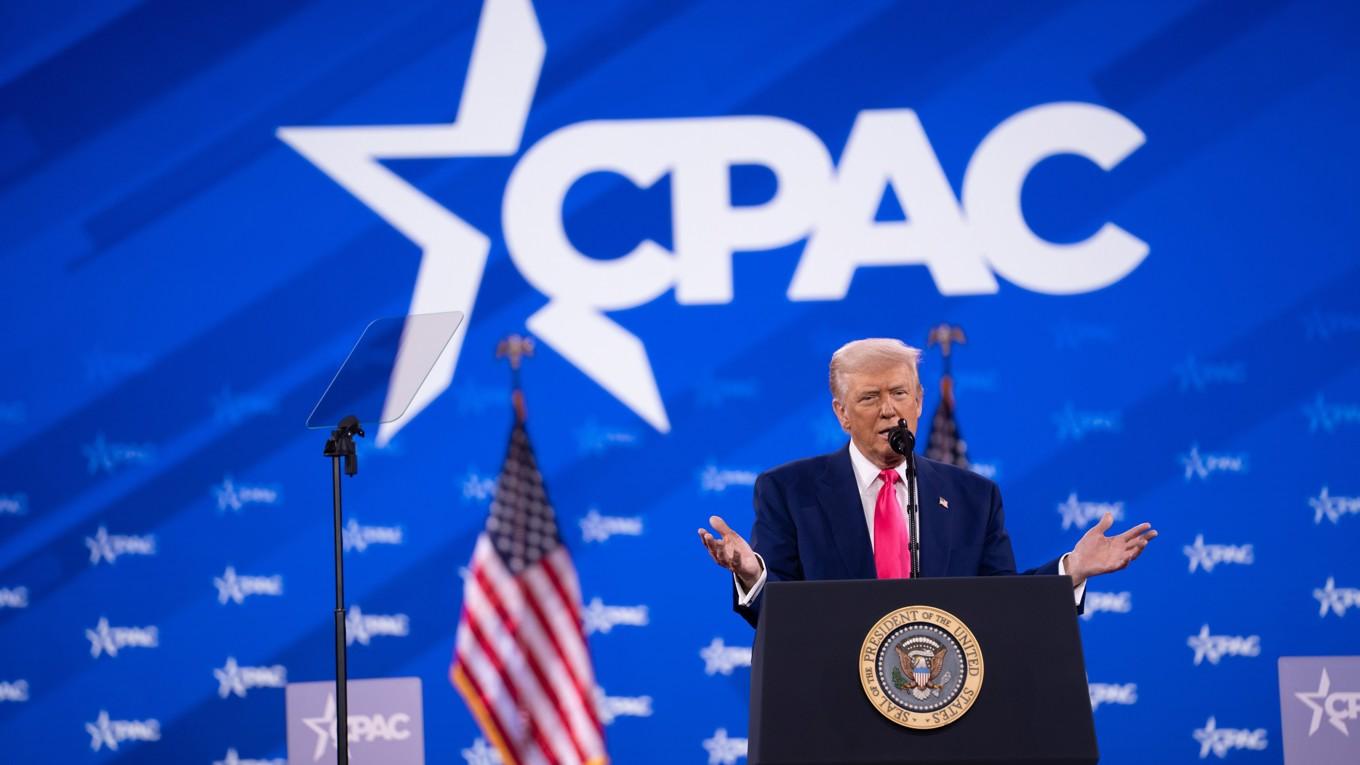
(946,442)
(520,660)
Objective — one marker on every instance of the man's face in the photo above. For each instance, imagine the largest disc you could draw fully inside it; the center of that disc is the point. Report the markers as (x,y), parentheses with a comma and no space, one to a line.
(875,398)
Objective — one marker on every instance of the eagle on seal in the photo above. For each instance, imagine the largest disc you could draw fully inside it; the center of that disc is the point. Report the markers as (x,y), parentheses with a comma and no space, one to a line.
(923,669)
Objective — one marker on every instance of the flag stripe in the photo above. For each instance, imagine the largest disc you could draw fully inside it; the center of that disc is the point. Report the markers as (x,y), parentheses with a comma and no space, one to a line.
(485,607)
(521,659)
(542,727)
(484,670)
(566,624)
(467,688)
(533,630)
(469,660)
(584,729)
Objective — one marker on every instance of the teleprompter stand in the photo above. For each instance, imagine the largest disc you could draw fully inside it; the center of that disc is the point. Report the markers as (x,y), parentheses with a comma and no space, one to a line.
(379,379)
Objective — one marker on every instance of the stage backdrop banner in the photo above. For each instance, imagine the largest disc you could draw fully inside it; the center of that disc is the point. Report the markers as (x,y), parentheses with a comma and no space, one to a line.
(1141,214)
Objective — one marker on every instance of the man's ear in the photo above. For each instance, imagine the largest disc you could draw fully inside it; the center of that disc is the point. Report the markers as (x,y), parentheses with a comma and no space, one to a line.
(839,409)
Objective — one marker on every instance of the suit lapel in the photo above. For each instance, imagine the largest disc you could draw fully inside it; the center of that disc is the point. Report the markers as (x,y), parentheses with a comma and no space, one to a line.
(934,519)
(838,496)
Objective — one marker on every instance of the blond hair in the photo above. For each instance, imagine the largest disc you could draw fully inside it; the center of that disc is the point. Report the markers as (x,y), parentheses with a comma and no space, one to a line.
(871,352)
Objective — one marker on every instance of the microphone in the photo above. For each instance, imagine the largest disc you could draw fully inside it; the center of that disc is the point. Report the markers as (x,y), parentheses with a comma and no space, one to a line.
(901,439)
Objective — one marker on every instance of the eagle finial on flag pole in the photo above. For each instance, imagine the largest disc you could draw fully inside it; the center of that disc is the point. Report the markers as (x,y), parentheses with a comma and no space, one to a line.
(514,349)
(946,442)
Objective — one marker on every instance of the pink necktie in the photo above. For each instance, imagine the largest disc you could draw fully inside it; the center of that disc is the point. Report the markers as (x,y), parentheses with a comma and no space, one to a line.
(890,533)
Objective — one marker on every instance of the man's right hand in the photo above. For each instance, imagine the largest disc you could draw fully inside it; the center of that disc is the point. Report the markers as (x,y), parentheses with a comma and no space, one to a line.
(731,552)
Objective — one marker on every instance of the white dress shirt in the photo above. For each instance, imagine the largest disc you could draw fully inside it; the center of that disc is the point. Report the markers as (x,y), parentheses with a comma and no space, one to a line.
(869,482)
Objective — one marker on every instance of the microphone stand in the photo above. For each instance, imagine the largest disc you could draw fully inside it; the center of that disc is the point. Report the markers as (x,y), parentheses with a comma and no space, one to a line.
(913,517)
(340,447)
(903,441)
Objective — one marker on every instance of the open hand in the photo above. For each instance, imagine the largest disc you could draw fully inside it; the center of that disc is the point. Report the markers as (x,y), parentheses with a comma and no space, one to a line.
(1097,554)
(731,552)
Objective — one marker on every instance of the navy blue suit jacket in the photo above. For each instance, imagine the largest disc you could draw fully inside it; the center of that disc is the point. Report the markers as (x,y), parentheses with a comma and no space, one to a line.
(810,524)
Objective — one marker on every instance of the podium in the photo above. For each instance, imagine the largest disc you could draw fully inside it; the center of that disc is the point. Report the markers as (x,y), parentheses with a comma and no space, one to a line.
(820,645)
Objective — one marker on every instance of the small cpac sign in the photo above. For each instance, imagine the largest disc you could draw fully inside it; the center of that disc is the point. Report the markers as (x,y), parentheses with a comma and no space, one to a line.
(386,722)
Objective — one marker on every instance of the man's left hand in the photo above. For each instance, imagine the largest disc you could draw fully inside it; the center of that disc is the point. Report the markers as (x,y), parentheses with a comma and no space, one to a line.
(1098,554)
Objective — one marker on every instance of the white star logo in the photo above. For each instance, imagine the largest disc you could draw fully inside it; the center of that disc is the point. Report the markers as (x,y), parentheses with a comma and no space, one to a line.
(324,727)
(507,58)
(723,750)
(1199,556)
(1203,645)
(1335,599)
(480,753)
(101,732)
(229,679)
(229,587)
(502,77)
(1314,701)
(101,639)
(100,547)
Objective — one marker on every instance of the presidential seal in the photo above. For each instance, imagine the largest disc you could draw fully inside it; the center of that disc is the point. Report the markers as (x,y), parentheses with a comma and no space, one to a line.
(921,667)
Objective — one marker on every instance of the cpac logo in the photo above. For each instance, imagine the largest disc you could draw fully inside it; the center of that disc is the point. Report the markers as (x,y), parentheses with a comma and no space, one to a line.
(1327,417)
(1205,557)
(1202,466)
(599,528)
(592,438)
(109,640)
(14,504)
(362,628)
(481,753)
(1073,336)
(1322,326)
(477,487)
(723,750)
(601,618)
(13,597)
(101,455)
(1339,706)
(611,708)
(1112,693)
(1107,602)
(108,547)
(1196,375)
(231,408)
(232,678)
(1215,647)
(963,242)
(366,728)
(1074,425)
(358,538)
(715,479)
(721,659)
(110,733)
(14,691)
(1336,599)
(237,587)
(231,496)
(233,758)
(986,469)
(1332,508)
(1078,514)
(1220,741)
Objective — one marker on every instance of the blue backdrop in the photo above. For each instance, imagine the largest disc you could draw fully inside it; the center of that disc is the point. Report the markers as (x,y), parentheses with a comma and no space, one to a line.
(186,259)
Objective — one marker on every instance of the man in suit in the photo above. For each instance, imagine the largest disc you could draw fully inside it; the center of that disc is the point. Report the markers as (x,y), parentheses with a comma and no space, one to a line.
(842,515)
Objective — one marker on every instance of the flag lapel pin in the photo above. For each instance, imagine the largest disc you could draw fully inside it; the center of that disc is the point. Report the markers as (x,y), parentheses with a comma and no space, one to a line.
(944,503)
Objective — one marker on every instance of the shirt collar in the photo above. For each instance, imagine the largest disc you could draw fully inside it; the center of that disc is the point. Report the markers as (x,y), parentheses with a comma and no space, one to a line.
(865,471)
